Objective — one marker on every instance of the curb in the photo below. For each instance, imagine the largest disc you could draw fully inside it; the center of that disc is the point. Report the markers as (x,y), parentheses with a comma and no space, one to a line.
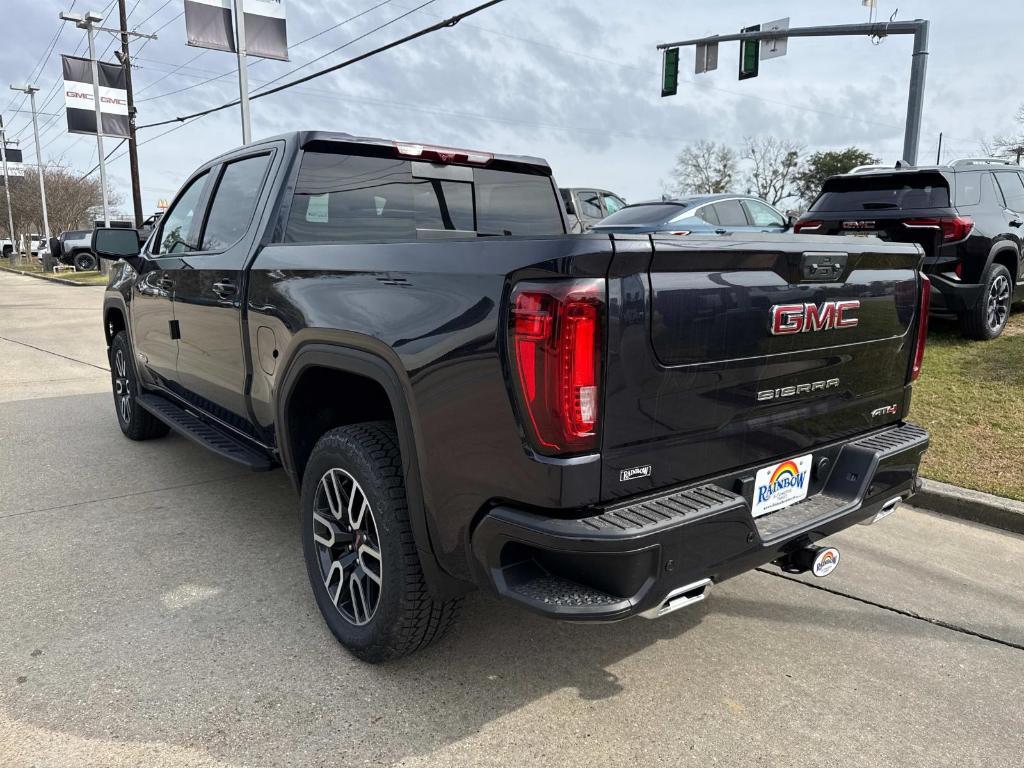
(975,506)
(52,279)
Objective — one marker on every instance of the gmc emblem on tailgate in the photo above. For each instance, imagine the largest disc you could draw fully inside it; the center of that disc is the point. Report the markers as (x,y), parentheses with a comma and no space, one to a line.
(802,318)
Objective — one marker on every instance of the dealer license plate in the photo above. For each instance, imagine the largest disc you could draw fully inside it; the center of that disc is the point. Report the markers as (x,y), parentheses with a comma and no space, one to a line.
(780,485)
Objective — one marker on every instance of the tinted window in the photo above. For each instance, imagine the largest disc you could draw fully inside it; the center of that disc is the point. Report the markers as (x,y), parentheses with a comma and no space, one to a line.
(612,203)
(871,192)
(347,198)
(730,213)
(590,204)
(176,234)
(968,188)
(763,215)
(234,202)
(78,234)
(655,213)
(1013,189)
(707,213)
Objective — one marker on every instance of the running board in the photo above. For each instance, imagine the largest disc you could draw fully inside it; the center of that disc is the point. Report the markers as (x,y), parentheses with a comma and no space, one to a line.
(217,440)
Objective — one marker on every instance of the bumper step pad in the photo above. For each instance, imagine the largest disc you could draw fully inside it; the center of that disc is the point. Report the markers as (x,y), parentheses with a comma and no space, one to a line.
(632,557)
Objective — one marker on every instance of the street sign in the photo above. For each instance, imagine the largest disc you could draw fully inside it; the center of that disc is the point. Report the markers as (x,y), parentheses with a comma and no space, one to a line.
(774,47)
(707,58)
(670,72)
(749,54)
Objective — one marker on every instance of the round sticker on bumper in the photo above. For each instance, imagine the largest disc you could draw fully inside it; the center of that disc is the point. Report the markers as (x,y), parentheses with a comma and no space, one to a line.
(825,561)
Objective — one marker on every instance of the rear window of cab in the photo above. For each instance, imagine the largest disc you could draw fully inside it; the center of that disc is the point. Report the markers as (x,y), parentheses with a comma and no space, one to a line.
(353,198)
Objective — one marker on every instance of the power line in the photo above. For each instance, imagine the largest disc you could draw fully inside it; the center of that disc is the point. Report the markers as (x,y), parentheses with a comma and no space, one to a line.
(154,13)
(446,23)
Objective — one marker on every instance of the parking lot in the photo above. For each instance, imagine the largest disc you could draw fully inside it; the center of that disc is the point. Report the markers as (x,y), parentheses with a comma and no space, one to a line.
(155,611)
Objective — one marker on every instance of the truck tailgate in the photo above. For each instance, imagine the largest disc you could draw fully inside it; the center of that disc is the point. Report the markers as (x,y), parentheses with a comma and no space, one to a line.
(740,351)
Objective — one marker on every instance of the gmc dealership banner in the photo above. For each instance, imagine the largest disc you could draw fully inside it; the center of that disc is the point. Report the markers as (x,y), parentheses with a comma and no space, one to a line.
(14,162)
(78,97)
(210,24)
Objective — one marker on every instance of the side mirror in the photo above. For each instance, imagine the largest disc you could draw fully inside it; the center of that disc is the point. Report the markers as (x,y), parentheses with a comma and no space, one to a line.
(570,208)
(56,249)
(790,220)
(115,243)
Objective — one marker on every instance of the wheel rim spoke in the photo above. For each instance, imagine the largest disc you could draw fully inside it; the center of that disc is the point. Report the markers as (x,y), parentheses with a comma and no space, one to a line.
(348,551)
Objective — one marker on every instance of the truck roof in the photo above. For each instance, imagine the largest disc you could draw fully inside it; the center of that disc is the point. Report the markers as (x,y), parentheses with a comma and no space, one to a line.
(305,138)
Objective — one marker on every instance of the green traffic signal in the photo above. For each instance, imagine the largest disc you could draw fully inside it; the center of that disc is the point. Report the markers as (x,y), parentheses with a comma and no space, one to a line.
(670,72)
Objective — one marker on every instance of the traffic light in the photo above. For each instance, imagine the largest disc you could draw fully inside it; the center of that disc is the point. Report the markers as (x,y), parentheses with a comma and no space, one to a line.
(749,54)
(670,72)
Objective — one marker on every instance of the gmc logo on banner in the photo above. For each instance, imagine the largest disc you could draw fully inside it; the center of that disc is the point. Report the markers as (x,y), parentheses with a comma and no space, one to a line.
(803,318)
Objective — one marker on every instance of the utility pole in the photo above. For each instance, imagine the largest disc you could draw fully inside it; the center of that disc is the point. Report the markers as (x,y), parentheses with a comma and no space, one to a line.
(133,151)
(918,70)
(243,72)
(31,90)
(7,190)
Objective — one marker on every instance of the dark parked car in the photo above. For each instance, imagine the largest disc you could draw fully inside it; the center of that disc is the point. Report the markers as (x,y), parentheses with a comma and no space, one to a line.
(592,427)
(967,216)
(702,214)
(586,206)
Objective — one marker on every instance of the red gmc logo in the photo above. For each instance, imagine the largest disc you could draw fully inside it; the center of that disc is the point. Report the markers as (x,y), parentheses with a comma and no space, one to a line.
(801,318)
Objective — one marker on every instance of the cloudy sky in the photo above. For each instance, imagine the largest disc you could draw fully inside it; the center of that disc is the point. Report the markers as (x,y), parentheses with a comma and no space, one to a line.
(576,83)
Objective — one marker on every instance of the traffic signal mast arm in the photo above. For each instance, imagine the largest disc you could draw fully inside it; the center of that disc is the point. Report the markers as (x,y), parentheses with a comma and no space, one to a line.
(919,63)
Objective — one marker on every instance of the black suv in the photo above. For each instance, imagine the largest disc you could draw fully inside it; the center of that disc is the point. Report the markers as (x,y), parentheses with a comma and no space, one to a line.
(967,216)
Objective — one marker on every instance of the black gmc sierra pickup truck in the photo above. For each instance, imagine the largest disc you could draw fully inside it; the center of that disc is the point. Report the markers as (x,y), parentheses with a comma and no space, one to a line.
(593,427)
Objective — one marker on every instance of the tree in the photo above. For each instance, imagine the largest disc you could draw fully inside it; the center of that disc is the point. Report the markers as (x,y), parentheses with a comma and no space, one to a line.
(702,168)
(773,167)
(69,201)
(821,165)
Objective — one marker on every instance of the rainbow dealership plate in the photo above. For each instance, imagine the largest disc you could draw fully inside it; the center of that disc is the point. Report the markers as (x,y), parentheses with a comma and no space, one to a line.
(781,484)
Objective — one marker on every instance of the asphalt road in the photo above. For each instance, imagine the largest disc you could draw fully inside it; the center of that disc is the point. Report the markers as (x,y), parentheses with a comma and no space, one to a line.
(154,611)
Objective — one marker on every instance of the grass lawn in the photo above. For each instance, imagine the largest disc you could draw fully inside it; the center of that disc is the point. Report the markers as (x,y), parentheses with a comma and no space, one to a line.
(85,278)
(971,398)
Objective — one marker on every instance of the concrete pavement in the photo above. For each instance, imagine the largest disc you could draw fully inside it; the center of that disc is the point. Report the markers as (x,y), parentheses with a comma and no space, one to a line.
(154,611)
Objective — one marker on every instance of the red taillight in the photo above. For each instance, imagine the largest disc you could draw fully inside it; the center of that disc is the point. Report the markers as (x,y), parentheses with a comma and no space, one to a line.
(923,305)
(953,228)
(555,336)
(810,225)
(443,154)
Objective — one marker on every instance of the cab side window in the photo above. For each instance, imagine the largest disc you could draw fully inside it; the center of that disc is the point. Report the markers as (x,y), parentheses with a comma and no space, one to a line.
(590,204)
(177,233)
(234,202)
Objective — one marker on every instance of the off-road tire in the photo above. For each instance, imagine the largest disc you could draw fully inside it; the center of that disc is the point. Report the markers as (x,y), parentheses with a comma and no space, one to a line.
(406,618)
(84,261)
(987,321)
(135,422)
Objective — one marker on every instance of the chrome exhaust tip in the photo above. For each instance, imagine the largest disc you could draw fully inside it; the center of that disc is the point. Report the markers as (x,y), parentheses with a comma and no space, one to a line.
(887,509)
(683,597)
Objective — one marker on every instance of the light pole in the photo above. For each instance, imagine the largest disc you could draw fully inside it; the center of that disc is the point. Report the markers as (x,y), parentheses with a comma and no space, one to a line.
(88,22)
(31,90)
(243,72)
(7,189)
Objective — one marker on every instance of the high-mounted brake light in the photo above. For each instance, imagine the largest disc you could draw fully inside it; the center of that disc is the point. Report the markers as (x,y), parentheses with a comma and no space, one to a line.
(954,228)
(923,305)
(443,154)
(555,341)
(810,225)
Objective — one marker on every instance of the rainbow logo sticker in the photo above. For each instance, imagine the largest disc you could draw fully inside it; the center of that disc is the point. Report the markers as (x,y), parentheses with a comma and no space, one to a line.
(780,485)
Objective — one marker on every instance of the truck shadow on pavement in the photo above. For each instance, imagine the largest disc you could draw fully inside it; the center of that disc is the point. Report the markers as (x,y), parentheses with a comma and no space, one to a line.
(181,615)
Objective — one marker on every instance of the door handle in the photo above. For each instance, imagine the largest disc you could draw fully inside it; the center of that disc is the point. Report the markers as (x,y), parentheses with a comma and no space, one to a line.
(721,231)
(224,288)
